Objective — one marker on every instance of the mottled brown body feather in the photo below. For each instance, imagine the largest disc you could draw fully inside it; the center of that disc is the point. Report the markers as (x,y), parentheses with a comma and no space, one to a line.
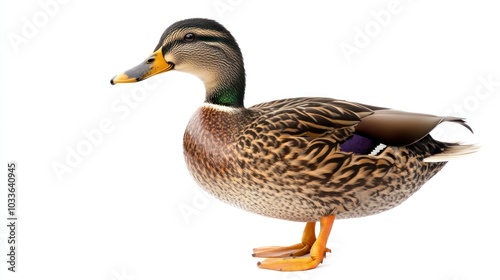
(282,159)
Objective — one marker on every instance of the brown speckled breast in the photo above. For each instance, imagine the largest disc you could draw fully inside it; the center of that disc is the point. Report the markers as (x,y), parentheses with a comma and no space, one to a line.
(299,178)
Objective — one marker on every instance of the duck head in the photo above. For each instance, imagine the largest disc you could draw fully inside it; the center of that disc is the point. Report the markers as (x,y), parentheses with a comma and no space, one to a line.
(203,48)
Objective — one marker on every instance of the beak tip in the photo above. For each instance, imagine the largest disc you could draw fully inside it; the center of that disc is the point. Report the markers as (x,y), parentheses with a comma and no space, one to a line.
(113,80)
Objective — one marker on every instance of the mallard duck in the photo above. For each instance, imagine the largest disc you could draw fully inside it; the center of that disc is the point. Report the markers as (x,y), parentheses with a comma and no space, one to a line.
(300,159)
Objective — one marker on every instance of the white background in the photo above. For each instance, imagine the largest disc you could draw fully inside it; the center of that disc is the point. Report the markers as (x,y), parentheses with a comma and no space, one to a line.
(117,214)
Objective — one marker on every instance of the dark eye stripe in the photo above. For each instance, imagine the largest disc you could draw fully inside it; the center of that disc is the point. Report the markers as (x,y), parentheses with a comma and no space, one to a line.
(205,38)
(214,39)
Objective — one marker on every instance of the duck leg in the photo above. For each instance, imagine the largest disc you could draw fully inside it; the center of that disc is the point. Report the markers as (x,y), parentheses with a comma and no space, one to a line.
(315,247)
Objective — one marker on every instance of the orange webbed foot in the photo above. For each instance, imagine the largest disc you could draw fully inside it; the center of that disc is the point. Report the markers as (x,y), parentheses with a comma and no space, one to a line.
(285,258)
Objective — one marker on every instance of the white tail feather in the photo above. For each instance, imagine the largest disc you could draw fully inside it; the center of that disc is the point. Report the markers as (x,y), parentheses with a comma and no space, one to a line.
(453,152)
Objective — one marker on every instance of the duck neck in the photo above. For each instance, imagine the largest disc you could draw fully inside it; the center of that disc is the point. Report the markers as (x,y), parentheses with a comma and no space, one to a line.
(227,89)
(227,96)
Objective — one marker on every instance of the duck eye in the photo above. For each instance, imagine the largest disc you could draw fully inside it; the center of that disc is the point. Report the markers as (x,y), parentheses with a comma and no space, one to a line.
(189,37)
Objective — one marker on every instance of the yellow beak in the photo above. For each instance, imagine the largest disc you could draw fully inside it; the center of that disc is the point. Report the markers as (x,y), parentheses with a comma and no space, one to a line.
(155,64)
